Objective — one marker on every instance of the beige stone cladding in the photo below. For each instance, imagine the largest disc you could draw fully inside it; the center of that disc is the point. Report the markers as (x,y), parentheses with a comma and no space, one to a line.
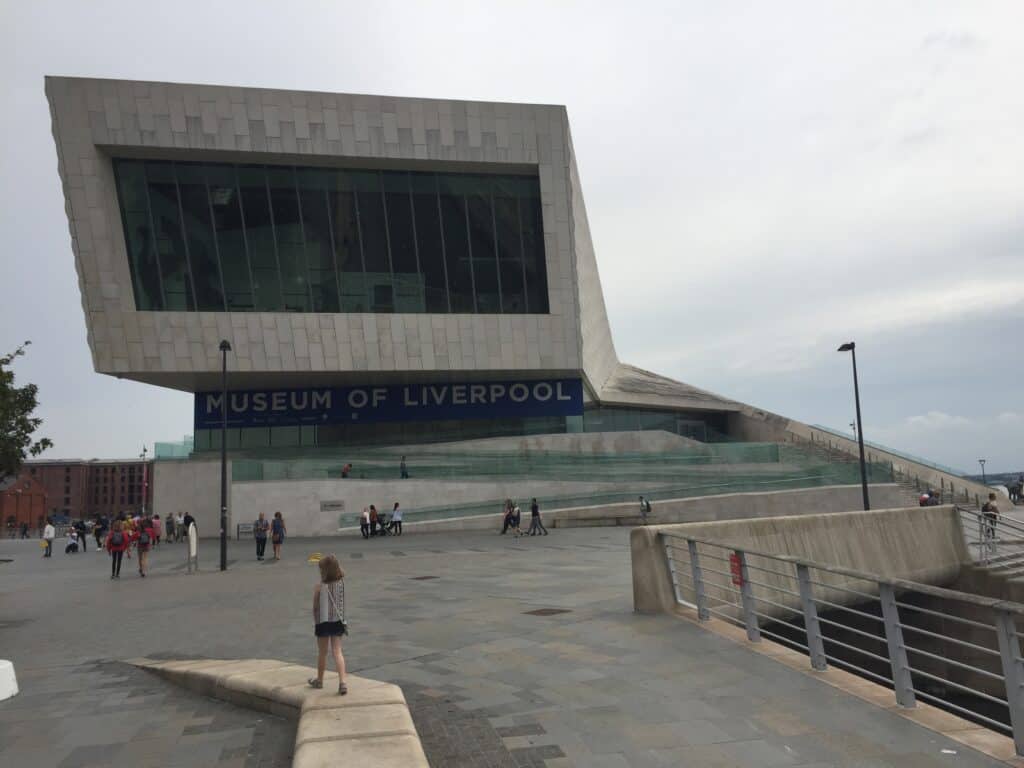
(96,120)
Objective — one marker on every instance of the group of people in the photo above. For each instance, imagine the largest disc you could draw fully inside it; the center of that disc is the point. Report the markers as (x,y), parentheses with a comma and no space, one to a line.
(374,523)
(141,533)
(511,519)
(274,529)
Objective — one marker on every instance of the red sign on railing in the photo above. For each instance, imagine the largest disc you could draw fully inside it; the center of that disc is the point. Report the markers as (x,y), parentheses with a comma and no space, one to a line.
(736,568)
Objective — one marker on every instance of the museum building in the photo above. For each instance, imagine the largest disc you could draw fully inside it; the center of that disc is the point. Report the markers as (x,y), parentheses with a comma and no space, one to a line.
(386,270)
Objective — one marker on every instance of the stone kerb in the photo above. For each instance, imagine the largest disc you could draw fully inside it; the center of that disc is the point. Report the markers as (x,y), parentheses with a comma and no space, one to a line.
(371,726)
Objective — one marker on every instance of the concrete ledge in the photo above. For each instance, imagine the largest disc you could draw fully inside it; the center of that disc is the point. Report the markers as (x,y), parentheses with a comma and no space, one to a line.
(371,726)
(8,680)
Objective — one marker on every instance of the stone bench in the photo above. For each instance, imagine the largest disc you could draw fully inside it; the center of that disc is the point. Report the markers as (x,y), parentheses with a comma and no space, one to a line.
(371,726)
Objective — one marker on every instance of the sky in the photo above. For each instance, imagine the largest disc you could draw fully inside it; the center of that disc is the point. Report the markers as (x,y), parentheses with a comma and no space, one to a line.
(764,181)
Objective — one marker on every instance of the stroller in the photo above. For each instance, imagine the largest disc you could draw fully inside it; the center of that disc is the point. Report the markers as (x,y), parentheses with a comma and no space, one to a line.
(72,546)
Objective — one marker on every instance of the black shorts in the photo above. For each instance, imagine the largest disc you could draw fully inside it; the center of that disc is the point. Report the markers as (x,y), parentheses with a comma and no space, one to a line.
(330,629)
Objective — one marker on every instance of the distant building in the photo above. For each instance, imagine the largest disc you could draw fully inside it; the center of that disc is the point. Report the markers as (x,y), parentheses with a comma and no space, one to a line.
(22,500)
(81,488)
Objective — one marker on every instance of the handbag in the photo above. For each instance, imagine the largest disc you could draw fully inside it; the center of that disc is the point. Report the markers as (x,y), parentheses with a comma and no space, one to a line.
(341,615)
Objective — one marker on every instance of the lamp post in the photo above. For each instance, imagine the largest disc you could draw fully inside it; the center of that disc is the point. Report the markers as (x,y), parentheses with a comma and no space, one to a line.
(851,347)
(984,480)
(225,347)
(853,427)
(145,481)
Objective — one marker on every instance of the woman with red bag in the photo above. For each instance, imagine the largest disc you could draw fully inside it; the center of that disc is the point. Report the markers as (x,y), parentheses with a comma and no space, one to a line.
(117,544)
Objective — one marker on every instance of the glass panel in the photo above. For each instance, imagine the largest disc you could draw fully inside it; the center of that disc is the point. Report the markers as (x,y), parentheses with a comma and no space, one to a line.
(138,234)
(199,238)
(230,229)
(510,254)
(252,238)
(347,247)
(430,246)
(316,223)
(170,245)
(291,256)
(373,230)
(456,243)
(481,241)
(259,235)
(402,237)
(532,221)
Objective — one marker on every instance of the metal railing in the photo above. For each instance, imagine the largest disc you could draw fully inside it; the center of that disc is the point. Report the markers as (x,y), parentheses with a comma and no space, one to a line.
(959,651)
(996,541)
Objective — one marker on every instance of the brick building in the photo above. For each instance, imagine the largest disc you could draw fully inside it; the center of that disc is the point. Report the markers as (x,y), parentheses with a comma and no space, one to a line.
(83,488)
(22,500)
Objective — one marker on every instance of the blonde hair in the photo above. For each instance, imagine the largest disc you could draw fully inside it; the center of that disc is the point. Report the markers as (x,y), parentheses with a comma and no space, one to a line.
(330,569)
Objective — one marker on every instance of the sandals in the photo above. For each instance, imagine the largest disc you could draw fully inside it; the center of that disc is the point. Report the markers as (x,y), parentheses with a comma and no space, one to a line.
(314,683)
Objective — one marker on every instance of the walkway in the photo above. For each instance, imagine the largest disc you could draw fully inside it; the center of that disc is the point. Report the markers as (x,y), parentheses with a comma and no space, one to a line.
(511,653)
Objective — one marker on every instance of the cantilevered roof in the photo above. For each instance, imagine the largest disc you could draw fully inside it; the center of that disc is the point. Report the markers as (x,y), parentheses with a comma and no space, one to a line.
(629,385)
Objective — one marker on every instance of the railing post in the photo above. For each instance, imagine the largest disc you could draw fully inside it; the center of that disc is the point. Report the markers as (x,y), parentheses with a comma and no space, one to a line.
(747,596)
(815,643)
(698,582)
(666,543)
(1013,674)
(902,682)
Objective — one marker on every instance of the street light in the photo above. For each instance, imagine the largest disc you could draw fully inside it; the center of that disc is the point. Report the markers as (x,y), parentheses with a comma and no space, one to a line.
(145,480)
(984,481)
(225,347)
(851,347)
(853,426)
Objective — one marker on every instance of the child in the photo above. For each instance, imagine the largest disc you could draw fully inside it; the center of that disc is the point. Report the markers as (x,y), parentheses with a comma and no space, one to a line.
(329,621)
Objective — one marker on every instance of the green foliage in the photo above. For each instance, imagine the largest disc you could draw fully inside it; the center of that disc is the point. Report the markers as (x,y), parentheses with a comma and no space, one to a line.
(17,424)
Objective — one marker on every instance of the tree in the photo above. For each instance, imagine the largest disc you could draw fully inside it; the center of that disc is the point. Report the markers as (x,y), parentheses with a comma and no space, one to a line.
(17,424)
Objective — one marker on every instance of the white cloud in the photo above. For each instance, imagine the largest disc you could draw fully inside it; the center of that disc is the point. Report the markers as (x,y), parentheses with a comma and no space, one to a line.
(1009,418)
(937,420)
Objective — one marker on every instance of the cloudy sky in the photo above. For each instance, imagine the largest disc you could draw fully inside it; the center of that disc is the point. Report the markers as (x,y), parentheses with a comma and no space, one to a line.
(764,181)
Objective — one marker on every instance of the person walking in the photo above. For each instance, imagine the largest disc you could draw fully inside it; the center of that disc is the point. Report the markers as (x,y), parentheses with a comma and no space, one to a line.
(374,519)
(24,530)
(99,530)
(991,513)
(645,510)
(82,534)
(536,526)
(49,534)
(517,518)
(158,530)
(329,621)
(403,470)
(396,520)
(143,543)
(169,528)
(260,529)
(506,516)
(116,544)
(277,533)
(180,531)
(364,523)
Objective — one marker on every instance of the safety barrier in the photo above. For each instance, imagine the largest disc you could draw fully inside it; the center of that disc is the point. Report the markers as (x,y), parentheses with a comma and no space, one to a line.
(907,647)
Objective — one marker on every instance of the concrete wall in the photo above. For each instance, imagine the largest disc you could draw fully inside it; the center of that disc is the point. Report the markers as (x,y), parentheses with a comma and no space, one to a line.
(923,544)
(191,486)
(698,508)
(300,500)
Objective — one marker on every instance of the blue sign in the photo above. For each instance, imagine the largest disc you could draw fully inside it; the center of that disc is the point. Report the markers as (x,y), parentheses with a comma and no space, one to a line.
(405,402)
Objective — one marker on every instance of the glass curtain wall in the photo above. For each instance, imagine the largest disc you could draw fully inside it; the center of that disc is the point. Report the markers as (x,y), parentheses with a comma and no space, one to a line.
(253,238)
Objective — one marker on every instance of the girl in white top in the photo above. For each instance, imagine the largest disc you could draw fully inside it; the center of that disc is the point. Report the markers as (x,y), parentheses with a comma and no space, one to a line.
(329,621)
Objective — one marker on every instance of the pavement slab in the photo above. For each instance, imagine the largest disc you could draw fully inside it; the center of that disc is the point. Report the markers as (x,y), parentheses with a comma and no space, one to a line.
(488,683)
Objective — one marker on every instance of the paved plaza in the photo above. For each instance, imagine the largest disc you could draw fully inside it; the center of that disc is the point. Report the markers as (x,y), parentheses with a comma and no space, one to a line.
(510,652)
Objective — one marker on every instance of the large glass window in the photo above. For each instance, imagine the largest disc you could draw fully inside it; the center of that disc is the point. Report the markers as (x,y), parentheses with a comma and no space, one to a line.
(222,237)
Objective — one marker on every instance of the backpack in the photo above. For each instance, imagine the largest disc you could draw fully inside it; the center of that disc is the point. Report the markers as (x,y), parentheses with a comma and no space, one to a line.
(143,539)
(117,539)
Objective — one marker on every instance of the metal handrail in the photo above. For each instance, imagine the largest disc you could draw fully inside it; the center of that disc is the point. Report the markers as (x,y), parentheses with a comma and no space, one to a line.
(895,583)
(747,608)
